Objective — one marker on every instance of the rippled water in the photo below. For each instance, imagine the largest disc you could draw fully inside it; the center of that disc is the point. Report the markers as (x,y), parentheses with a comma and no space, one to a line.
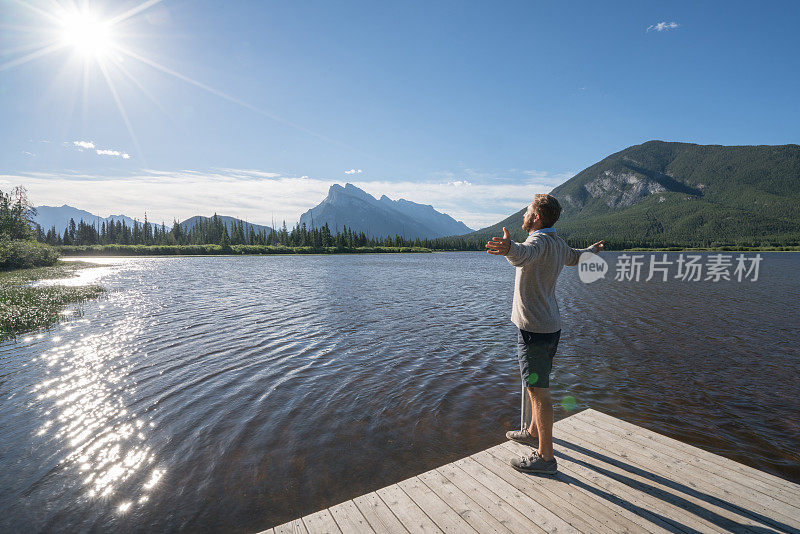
(235,393)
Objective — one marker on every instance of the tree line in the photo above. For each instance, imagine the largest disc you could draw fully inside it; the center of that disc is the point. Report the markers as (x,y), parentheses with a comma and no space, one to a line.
(215,231)
(18,248)
(15,214)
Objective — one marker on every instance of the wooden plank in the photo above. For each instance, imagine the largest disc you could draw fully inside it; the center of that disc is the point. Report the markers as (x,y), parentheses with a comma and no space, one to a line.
(670,502)
(321,522)
(544,517)
(414,519)
(466,508)
(709,460)
(349,519)
(638,507)
(689,457)
(445,517)
(680,466)
(379,515)
(675,474)
(542,489)
(494,505)
(651,498)
(602,516)
(292,527)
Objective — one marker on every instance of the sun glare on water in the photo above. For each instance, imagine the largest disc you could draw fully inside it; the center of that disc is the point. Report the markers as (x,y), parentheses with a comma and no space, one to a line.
(87,34)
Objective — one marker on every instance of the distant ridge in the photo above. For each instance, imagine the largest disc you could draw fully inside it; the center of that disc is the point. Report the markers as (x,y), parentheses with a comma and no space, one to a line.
(59,216)
(228,221)
(667,193)
(49,216)
(358,210)
(438,222)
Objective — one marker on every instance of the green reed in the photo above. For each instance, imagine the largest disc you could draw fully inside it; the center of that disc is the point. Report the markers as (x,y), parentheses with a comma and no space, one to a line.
(24,308)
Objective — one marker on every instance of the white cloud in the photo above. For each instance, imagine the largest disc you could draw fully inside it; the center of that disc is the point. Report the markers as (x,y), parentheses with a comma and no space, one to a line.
(248,174)
(662,26)
(354,171)
(259,196)
(89,145)
(105,152)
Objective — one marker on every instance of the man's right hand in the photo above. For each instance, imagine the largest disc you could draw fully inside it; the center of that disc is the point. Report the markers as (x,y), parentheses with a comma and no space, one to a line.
(499,246)
(597,247)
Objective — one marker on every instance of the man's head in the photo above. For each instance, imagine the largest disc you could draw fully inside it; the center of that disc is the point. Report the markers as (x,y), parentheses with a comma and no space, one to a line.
(543,212)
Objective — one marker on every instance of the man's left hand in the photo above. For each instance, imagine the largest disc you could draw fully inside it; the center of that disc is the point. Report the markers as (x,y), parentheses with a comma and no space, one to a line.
(499,246)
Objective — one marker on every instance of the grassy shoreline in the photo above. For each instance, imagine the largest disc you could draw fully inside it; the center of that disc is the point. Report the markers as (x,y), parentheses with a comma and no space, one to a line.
(214,250)
(246,250)
(24,308)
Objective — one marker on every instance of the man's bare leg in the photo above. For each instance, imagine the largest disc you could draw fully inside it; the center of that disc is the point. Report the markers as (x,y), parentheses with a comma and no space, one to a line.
(543,415)
(533,430)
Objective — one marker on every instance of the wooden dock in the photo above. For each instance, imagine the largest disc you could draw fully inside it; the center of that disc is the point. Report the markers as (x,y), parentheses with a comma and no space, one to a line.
(613,477)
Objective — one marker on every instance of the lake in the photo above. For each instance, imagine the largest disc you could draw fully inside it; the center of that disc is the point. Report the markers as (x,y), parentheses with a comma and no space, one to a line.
(231,394)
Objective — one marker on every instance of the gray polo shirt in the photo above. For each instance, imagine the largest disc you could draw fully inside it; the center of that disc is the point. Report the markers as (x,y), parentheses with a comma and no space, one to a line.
(539,261)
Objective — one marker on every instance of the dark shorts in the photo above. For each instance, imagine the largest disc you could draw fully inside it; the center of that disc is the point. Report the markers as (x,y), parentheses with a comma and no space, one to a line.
(535,352)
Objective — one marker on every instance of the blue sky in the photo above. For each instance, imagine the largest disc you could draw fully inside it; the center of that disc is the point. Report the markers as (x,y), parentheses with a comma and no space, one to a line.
(469,106)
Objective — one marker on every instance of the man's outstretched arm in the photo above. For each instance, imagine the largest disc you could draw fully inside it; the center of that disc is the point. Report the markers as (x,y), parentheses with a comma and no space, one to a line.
(517,254)
(574,255)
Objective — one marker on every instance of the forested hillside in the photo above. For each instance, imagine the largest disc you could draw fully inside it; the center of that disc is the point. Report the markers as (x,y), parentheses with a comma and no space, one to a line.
(680,194)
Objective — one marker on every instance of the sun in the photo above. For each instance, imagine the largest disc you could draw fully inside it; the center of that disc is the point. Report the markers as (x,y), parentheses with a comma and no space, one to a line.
(98,37)
(88,35)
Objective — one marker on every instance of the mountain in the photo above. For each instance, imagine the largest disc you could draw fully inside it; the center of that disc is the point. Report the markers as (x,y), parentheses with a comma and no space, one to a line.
(352,207)
(665,193)
(440,223)
(191,222)
(59,216)
(48,216)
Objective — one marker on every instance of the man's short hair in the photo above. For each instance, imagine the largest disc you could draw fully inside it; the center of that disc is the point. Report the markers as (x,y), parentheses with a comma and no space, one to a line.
(547,207)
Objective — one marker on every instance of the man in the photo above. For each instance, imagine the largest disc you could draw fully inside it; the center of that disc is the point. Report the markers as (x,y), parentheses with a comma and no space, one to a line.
(539,261)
